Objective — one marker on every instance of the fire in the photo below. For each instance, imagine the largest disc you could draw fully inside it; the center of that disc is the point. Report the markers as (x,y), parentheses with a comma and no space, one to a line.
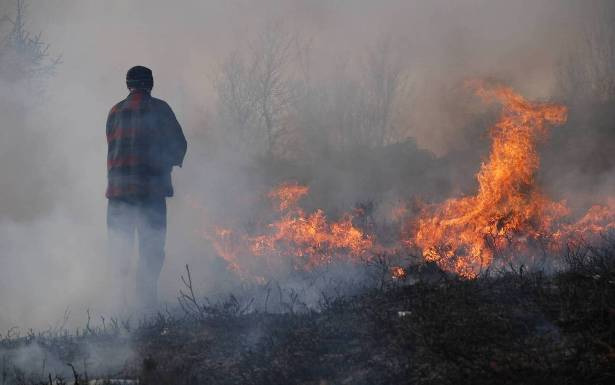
(309,238)
(509,214)
(225,247)
(508,217)
(398,272)
(598,220)
(305,240)
(287,195)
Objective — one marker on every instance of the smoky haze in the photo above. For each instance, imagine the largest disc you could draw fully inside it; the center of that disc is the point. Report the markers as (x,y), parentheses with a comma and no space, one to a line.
(428,140)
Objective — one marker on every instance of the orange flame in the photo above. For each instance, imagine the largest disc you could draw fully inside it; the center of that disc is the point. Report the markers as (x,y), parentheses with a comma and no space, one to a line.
(305,240)
(509,215)
(508,212)
(598,220)
(309,238)
(398,272)
(287,195)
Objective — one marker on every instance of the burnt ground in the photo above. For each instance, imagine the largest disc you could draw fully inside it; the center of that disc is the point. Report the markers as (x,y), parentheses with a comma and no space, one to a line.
(514,327)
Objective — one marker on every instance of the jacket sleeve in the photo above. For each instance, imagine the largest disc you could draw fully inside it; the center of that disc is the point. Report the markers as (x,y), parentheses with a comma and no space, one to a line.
(110,120)
(176,144)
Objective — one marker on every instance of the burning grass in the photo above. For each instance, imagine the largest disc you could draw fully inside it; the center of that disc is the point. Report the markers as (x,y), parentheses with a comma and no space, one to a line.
(509,216)
(514,327)
(295,240)
(467,310)
(508,220)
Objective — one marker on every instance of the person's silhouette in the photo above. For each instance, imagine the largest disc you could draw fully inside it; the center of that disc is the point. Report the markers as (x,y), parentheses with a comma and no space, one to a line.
(144,142)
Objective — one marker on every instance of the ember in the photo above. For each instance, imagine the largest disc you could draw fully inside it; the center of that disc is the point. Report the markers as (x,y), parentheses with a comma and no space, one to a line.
(398,272)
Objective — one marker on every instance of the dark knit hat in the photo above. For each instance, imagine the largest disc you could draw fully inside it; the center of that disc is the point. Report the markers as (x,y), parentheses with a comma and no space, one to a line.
(140,77)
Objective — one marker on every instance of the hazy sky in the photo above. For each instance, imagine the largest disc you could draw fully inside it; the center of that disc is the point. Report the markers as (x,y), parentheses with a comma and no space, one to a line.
(183,42)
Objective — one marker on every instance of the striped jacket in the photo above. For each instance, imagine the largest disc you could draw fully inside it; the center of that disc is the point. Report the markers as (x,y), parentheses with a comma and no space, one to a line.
(144,142)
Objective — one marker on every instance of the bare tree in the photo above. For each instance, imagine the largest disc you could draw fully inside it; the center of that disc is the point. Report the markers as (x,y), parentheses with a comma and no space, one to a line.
(270,103)
(254,89)
(385,84)
(360,109)
(25,64)
(271,57)
(24,56)
(587,71)
(237,106)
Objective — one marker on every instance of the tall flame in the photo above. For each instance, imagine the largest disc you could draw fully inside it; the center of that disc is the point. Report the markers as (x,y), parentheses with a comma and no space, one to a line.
(509,213)
(508,216)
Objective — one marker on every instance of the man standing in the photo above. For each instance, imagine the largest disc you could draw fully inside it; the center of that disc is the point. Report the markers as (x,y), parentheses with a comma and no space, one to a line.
(144,142)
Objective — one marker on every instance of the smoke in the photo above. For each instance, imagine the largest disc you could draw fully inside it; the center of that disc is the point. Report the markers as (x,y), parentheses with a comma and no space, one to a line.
(36,361)
(52,208)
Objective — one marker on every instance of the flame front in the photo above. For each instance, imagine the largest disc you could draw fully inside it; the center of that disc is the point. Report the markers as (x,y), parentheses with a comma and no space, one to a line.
(508,217)
(509,213)
(304,240)
(308,238)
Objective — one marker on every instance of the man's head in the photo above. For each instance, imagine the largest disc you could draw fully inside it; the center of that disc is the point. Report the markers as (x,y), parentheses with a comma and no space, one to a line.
(140,77)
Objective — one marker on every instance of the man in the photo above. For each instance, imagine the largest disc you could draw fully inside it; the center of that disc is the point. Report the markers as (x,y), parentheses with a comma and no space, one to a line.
(144,142)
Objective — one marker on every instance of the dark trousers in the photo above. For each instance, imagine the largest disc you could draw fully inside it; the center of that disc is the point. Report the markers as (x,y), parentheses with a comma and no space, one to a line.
(147,217)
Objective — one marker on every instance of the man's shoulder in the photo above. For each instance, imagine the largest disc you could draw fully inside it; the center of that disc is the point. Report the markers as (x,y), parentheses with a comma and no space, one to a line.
(155,103)
(116,107)
(159,103)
